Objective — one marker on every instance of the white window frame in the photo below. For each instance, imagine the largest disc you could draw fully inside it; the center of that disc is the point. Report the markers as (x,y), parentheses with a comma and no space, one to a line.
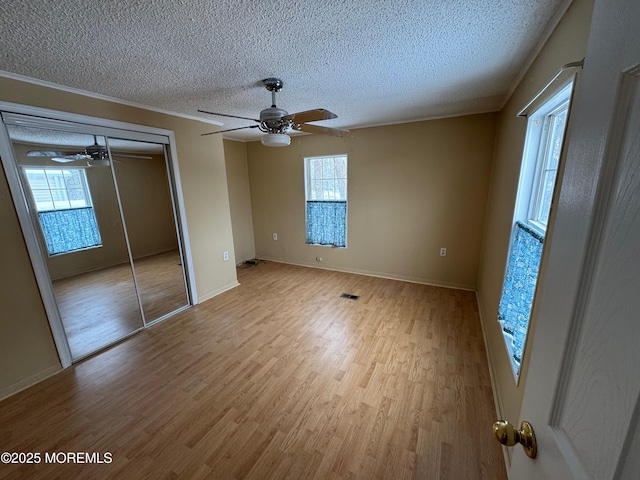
(542,165)
(308,179)
(87,200)
(534,159)
(309,190)
(531,173)
(85,186)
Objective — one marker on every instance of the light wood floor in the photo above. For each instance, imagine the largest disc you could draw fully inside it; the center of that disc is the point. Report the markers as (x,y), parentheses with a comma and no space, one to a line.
(161,283)
(279,378)
(101,307)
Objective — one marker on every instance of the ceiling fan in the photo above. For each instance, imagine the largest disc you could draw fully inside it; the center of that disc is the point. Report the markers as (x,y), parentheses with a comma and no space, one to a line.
(95,153)
(276,122)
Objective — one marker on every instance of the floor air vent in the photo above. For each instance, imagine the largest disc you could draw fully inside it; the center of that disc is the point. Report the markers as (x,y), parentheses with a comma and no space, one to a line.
(349,296)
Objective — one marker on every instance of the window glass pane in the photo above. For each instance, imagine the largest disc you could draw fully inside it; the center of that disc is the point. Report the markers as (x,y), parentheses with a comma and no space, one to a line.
(549,181)
(58,188)
(43,200)
(60,199)
(557,133)
(552,151)
(341,167)
(73,179)
(37,179)
(55,178)
(328,170)
(316,190)
(341,189)
(77,198)
(328,189)
(316,168)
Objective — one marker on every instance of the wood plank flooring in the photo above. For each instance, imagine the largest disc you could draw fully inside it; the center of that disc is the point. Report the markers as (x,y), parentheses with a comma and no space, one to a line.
(101,307)
(279,378)
(161,282)
(98,308)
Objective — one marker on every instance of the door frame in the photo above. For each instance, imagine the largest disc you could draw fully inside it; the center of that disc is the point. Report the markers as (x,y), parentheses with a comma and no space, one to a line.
(46,117)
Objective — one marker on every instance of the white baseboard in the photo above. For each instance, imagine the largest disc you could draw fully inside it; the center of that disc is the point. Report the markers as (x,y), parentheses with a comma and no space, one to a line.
(368,273)
(28,382)
(496,398)
(215,293)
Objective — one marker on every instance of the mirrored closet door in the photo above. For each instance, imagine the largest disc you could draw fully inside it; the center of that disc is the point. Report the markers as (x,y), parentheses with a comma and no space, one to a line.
(103,211)
(148,209)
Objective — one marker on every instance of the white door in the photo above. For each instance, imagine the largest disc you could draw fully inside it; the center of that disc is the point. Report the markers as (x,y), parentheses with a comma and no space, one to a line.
(583,385)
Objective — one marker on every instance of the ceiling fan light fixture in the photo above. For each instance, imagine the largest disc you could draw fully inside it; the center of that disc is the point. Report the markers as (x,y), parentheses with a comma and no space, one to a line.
(276,140)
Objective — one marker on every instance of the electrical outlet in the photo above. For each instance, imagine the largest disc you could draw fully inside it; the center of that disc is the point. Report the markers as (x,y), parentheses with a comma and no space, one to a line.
(443,252)
(225,255)
(318,259)
(275,236)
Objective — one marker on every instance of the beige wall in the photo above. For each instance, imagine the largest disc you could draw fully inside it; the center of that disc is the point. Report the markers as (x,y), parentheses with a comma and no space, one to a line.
(27,351)
(567,44)
(412,189)
(235,154)
(143,186)
(24,331)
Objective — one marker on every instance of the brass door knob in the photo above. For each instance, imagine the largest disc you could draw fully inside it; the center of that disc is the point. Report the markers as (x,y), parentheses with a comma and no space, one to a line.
(509,435)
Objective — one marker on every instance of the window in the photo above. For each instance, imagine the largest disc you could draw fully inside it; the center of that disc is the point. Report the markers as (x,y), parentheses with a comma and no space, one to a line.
(541,156)
(543,145)
(326,200)
(63,202)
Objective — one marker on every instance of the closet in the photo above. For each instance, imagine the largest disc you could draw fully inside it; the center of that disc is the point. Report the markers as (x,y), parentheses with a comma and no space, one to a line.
(99,208)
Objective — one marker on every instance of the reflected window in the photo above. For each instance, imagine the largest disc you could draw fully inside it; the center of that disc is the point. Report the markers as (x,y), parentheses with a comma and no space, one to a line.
(543,147)
(65,211)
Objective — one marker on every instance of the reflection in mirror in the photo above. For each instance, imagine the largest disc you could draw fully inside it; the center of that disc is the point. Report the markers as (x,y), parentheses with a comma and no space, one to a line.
(145,195)
(73,205)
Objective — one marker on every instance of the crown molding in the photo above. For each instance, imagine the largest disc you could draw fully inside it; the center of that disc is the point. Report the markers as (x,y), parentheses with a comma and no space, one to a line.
(98,96)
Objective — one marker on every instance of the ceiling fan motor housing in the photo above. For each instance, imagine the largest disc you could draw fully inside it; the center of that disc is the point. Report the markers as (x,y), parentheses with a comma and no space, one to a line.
(271,120)
(96,152)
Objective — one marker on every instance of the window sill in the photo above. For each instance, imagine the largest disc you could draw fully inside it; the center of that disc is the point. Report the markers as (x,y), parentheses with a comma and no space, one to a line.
(321,245)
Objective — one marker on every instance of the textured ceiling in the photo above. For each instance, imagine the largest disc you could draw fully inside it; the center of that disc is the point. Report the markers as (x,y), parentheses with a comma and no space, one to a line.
(372,62)
(43,139)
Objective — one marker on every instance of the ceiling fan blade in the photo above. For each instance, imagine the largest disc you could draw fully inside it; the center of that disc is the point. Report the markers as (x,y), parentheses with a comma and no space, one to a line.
(229,130)
(70,158)
(310,116)
(227,115)
(47,153)
(126,155)
(333,132)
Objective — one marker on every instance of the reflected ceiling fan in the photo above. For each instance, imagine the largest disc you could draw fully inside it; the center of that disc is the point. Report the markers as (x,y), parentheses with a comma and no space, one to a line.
(92,153)
(276,122)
